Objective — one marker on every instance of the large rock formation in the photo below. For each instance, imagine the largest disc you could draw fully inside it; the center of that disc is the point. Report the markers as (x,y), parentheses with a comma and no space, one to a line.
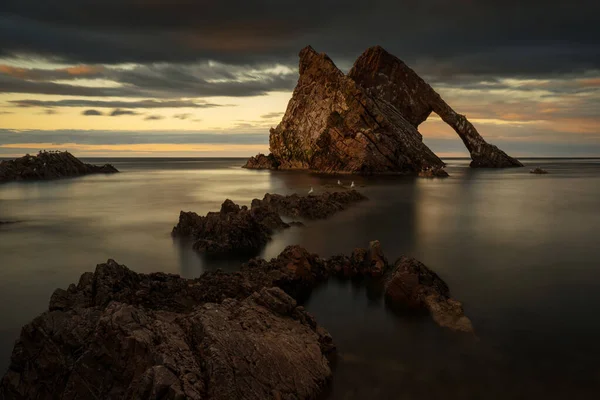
(365,122)
(388,79)
(332,125)
(49,165)
(236,229)
(119,334)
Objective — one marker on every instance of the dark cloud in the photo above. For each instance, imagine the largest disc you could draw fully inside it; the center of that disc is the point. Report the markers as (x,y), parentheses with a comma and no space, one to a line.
(182,116)
(156,80)
(8,136)
(272,115)
(118,112)
(114,104)
(50,111)
(91,113)
(505,37)
(154,117)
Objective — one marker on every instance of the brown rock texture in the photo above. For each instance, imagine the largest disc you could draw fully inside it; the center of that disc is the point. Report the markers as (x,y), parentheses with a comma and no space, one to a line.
(309,207)
(236,229)
(332,125)
(388,79)
(365,122)
(122,335)
(412,285)
(48,165)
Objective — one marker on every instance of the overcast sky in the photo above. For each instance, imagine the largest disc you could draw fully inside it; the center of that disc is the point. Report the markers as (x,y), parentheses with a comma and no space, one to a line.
(209,78)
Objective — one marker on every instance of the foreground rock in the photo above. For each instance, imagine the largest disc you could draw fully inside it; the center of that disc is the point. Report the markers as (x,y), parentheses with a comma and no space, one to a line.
(309,207)
(236,229)
(49,165)
(365,122)
(387,78)
(433,173)
(412,285)
(538,171)
(119,334)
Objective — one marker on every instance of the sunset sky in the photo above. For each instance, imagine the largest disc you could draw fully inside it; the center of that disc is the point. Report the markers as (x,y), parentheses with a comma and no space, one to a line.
(209,78)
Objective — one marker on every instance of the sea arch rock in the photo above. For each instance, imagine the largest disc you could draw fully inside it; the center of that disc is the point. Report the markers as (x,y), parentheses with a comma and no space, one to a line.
(387,78)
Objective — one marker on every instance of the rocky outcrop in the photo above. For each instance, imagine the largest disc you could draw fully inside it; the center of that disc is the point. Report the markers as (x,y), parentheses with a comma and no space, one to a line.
(538,171)
(236,229)
(433,173)
(365,122)
(261,161)
(332,125)
(388,79)
(412,285)
(309,207)
(122,335)
(49,165)
(233,229)
(119,334)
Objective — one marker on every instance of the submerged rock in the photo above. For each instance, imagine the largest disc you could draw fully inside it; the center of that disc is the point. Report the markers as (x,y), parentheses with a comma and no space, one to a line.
(309,207)
(538,171)
(49,165)
(365,122)
(236,229)
(119,334)
(412,285)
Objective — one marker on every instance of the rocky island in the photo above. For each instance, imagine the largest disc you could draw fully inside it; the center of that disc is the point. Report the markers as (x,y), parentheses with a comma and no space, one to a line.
(244,230)
(49,165)
(365,122)
(243,335)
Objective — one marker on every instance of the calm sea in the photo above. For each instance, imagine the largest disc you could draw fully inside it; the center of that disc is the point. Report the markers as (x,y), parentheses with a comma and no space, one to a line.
(521,251)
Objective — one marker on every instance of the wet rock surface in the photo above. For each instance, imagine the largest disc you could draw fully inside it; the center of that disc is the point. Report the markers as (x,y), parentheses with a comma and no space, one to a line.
(412,285)
(433,173)
(244,230)
(47,166)
(309,207)
(119,334)
(365,122)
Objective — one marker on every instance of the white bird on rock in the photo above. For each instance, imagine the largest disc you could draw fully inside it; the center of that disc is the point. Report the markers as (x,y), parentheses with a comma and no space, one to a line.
(352,184)
(339,183)
(311,190)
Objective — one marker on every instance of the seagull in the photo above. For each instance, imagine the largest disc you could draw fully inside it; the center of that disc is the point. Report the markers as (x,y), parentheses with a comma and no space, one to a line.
(352,185)
(311,190)
(339,183)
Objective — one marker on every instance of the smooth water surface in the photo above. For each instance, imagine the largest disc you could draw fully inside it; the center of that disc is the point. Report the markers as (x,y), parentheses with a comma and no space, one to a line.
(521,251)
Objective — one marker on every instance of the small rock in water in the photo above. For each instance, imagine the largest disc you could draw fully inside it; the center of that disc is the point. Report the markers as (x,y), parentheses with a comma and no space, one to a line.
(538,171)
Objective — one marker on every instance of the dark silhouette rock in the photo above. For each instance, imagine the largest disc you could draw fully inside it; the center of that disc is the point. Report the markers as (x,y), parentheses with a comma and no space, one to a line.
(236,229)
(365,122)
(538,171)
(412,285)
(233,229)
(309,207)
(49,165)
(387,78)
(332,125)
(261,161)
(119,334)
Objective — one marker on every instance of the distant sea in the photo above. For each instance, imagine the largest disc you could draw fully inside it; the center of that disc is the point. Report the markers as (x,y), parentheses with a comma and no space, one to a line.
(521,251)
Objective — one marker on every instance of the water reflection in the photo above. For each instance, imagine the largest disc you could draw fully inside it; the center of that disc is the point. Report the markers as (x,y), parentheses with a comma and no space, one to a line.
(519,250)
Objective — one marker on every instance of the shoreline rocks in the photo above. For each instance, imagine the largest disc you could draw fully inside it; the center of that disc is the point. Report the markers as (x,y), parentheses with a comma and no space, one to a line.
(119,334)
(365,122)
(243,230)
(48,166)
